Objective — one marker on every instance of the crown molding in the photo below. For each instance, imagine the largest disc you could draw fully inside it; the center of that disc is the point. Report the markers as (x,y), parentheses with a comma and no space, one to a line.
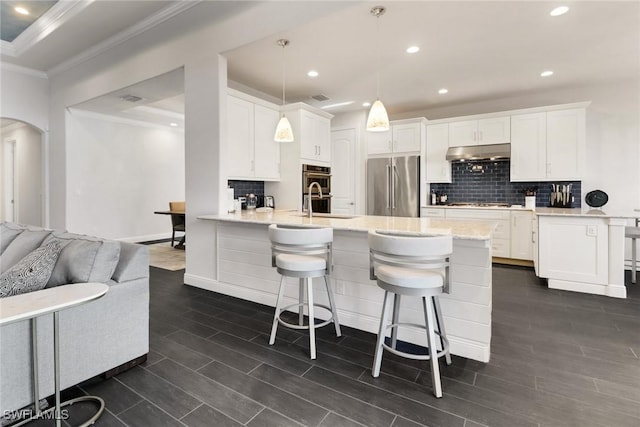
(51,20)
(23,70)
(170,11)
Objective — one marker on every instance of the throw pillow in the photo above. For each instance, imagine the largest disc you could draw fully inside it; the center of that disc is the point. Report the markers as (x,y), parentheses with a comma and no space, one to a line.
(32,272)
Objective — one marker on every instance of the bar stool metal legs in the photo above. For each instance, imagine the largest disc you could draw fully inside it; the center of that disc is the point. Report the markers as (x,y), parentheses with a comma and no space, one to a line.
(310,304)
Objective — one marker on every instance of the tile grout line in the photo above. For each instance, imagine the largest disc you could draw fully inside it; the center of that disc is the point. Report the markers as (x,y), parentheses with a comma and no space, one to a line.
(191,411)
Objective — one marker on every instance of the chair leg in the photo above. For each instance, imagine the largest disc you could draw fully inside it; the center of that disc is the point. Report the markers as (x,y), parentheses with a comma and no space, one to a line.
(173,237)
(633,260)
(312,322)
(377,359)
(274,327)
(433,349)
(440,324)
(396,316)
(334,310)
(301,302)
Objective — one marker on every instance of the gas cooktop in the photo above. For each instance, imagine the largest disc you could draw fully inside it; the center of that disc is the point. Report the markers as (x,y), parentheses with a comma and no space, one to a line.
(480,204)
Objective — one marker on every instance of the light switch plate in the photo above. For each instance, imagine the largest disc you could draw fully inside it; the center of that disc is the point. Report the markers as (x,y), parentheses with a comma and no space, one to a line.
(592,230)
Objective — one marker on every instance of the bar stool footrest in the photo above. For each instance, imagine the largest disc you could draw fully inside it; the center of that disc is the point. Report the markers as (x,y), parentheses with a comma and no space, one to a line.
(439,354)
(294,326)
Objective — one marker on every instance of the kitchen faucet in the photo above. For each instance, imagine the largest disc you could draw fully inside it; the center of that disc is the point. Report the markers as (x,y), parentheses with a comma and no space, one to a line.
(319,190)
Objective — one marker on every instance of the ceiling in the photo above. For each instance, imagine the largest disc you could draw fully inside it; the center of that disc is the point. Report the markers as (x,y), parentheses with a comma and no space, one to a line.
(13,23)
(478,50)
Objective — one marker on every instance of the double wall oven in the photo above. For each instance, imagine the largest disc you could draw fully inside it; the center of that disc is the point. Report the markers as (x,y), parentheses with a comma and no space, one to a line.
(321,175)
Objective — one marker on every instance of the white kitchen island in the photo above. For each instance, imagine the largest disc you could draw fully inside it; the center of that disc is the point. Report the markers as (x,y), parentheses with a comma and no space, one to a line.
(243,270)
(582,250)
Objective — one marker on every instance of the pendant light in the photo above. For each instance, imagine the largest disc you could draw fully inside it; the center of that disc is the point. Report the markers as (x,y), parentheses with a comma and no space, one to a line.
(284,133)
(378,120)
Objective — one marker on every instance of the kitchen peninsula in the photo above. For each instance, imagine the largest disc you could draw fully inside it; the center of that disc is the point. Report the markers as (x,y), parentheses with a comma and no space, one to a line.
(243,260)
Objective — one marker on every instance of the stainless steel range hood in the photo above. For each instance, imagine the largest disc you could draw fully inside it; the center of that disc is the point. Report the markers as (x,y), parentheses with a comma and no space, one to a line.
(479,152)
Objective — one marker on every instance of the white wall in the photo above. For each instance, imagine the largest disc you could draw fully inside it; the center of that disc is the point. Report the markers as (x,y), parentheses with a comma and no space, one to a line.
(28,176)
(25,96)
(119,173)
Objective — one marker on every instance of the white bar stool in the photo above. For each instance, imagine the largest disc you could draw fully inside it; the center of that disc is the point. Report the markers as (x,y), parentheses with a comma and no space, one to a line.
(633,233)
(304,253)
(418,266)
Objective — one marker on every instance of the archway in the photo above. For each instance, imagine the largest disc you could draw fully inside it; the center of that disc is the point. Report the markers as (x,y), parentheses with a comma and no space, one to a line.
(22,181)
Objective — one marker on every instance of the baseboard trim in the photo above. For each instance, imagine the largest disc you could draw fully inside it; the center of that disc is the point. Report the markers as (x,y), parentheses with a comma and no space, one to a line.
(125,366)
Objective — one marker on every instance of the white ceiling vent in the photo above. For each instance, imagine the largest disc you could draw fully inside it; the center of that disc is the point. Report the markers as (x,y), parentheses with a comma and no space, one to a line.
(130,98)
(320,97)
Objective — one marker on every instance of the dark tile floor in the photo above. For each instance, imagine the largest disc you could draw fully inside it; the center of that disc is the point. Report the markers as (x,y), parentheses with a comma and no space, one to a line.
(557,359)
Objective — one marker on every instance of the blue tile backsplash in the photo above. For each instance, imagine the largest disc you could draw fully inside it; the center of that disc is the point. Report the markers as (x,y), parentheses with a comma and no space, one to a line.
(241,188)
(489,183)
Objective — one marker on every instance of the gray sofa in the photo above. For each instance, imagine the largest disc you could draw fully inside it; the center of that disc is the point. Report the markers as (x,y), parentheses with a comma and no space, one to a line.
(95,338)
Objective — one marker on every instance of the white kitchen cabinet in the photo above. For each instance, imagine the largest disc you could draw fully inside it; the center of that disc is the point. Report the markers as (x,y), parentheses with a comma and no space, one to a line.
(438,168)
(566,130)
(548,146)
(574,250)
(315,137)
(495,130)
(240,134)
(529,147)
(500,238)
(266,149)
(403,137)
(521,235)
(252,152)
(432,212)
(535,239)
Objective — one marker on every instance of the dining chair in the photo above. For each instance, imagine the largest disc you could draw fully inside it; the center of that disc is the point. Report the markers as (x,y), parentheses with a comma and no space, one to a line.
(177,221)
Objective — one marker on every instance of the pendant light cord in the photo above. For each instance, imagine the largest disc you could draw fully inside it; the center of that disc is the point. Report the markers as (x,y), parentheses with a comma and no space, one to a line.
(378,49)
(283,73)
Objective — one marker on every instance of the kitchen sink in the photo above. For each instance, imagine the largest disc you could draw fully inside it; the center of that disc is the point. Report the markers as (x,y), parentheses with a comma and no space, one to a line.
(327,215)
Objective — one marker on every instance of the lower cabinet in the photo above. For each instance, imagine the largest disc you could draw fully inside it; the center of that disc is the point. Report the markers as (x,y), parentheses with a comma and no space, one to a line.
(574,249)
(522,235)
(513,236)
(501,238)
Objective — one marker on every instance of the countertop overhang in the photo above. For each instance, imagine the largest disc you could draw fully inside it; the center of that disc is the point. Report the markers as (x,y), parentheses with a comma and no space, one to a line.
(458,228)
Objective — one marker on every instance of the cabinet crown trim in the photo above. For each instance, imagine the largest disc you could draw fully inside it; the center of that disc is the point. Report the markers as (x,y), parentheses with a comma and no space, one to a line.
(574,105)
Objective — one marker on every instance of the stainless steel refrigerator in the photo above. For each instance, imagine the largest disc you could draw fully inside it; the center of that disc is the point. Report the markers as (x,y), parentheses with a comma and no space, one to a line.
(393,186)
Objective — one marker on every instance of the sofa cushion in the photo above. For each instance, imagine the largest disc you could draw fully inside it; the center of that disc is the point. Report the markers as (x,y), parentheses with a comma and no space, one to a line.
(32,272)
(8,232)
(84,259)
(24,243)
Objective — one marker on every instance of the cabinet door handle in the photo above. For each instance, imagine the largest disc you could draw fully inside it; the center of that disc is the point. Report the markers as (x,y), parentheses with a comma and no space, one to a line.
(253,165)
(319,150)
(475,134)
(533,237)
(480,139)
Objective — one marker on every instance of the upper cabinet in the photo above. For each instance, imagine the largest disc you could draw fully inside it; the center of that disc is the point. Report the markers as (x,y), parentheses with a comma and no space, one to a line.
(495,130)
(438,168)
(252,152)
(315,136)
(548,146)
(403,137)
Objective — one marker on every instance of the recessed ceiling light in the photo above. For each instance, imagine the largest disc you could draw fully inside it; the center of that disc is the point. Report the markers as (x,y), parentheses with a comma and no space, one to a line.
(443,91)
(366,104)
(560,10)
(21,10)
(546,73)
(313,73)
(173,124)
(413,49)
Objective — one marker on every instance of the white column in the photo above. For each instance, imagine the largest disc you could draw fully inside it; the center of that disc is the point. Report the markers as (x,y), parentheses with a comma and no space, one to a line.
(205,174)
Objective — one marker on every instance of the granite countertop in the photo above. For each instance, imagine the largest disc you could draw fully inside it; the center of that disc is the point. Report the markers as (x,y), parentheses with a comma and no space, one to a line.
(584,211)
(587,211)
(458,228)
